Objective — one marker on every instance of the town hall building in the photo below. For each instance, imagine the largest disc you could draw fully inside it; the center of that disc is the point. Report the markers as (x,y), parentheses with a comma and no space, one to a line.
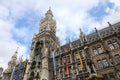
(96,55)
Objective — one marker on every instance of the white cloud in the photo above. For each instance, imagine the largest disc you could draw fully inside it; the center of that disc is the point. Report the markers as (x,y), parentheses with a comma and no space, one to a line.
(7,44)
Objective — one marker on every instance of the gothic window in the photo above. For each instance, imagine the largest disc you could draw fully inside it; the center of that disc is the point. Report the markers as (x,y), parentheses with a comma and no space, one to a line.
(105,76)
(64,60)
(118,74)
(111,76)
(56,62)
(34,63)
(32,74)
(73,57)
(70,70)
(115,43)
(79,68)
(95,51)
(110,45)
(100,64)
(68,57)
(77,56)
(99,48)
(105,62)
(117,58)
(60,61)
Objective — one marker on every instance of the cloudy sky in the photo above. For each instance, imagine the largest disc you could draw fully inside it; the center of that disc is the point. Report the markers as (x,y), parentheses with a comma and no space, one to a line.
(19,21)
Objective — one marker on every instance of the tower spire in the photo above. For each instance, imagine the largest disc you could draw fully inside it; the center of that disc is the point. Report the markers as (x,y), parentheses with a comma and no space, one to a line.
(17,50)
(49,14)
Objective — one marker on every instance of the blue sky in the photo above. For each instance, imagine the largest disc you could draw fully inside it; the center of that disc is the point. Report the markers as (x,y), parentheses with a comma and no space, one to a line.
(19,21)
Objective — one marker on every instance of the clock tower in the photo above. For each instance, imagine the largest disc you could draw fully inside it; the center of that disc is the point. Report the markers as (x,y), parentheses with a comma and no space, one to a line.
(42,46)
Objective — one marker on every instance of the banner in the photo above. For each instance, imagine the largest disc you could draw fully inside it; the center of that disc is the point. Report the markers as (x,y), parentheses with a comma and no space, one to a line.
(67,69)
(12,75)
(81,62)
(19,71)
(54,62)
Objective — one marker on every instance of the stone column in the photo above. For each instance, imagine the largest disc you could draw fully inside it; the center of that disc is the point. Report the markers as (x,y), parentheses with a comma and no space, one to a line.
(45,71)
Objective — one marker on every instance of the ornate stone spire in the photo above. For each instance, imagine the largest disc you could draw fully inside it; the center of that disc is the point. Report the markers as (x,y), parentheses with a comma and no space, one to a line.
(12,62)
(15,54)
(49,14)
(48,23)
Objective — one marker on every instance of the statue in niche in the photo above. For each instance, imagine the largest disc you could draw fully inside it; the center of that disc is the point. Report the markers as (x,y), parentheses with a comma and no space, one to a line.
(89,61)
(38,47)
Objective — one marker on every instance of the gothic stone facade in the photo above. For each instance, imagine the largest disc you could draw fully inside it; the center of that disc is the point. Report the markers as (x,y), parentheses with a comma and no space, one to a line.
(99,51)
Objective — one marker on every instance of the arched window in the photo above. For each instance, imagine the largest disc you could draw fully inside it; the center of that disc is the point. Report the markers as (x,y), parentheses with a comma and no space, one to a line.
(32,74)
(34,63)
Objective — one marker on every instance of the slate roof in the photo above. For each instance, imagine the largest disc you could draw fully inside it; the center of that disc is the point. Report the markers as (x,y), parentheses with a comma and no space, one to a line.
(106,32)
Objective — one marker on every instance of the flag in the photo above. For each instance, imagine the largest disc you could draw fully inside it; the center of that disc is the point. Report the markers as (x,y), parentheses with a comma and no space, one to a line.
(67,69)
(81,62)
(19,71)
(54,62)
(12,75)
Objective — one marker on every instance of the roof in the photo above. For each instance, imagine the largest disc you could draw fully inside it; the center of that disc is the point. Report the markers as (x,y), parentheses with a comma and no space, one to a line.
(106,32)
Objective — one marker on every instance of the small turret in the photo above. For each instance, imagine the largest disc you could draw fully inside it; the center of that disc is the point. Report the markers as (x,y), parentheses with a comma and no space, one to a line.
(98,33)
(12,62)
(83,37)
